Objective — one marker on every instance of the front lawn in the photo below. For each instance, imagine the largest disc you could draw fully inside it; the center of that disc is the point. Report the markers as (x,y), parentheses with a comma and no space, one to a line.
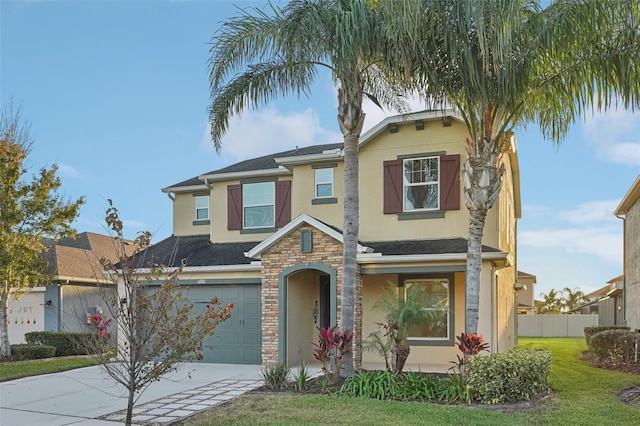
(583,395)
(19,369)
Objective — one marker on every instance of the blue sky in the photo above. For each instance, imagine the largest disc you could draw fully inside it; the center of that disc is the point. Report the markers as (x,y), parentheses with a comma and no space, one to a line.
(117,93)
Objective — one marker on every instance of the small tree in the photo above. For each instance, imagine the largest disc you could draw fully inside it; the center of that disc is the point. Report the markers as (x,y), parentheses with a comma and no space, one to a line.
(156,327)
(403,311)
(29,212)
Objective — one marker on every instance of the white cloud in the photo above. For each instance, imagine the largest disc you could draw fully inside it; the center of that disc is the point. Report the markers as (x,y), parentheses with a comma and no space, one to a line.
(68,171)
(603,242)
(589,228)
(262,132)
(615,135)
(591,212)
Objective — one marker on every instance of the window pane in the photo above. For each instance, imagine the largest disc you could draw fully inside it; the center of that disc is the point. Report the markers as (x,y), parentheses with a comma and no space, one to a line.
(437,325)
(324,175)
(258,193)
(324,190)
(421,183)
(420,197)
(324,182)
(202,207)
(258,217)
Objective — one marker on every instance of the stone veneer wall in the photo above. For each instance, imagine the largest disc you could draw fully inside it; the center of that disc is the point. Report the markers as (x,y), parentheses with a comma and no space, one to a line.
(286,253)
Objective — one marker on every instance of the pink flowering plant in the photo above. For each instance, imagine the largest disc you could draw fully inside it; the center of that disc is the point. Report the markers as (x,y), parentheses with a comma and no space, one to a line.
(101,325)
(330,350)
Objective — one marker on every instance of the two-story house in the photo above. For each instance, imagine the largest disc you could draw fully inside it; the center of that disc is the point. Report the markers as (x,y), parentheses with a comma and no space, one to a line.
(265,234)
(629,211)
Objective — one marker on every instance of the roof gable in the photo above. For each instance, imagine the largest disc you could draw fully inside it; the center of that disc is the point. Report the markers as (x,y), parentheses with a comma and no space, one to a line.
(333,232)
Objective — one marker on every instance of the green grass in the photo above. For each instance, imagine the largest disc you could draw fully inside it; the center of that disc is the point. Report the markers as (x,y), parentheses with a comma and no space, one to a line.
(583,395)
(19,369)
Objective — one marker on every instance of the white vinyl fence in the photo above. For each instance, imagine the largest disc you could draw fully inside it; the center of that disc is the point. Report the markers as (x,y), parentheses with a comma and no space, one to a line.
(555,325)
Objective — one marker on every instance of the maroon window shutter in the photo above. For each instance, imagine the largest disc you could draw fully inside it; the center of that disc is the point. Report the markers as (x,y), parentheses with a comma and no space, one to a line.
(450,182)
(393,186)
(283,203)
(234,207)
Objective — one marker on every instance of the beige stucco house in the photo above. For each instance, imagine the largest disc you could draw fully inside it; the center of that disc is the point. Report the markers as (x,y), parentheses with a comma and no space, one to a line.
(629,212)
(525,289)
(265,234)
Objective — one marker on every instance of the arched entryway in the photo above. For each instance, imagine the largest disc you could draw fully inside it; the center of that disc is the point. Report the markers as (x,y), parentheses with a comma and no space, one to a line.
(308,299)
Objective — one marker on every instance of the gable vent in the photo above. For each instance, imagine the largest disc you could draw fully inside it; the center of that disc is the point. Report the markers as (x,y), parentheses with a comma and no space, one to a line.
(306,241)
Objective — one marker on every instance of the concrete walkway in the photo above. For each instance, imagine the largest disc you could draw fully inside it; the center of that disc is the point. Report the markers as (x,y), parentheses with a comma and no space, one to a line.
(88,397)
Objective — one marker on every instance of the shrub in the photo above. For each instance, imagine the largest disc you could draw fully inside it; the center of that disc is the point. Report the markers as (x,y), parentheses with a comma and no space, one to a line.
(615,345)
(24,352)
(301,378)
(590,331)
(375,385)
(64,342)
(513,376)
(275,376)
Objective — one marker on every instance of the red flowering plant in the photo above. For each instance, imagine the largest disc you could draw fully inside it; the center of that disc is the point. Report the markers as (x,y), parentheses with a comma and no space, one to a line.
(101,325)
(330,349)
(469,344)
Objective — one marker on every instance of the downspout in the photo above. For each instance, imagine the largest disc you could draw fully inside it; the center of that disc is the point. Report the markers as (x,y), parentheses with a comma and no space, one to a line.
(624,266)
(171,195)
(494,304)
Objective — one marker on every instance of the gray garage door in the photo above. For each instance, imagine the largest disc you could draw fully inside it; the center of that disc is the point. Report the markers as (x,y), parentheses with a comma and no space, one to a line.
(237,340)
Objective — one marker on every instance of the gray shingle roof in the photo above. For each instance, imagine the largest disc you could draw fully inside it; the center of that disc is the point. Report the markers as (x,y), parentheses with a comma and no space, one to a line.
(435,246)
(195,250)
(261,163)
(198,251)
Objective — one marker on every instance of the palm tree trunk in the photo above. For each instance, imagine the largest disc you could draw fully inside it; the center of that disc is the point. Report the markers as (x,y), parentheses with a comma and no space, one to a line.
(482,177)
(350,119)
(401,353)
(474,265)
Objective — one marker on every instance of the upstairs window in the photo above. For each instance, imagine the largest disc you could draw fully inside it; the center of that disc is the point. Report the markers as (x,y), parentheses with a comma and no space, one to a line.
(202,207)
(258,205)
(324,183)
(424,185)
(421,183)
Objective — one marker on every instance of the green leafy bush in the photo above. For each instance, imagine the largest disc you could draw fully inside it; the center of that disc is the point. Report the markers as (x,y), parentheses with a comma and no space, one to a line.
(24,352)
(275,376)
(590,331)
(513,376)
(64,342)
(615,345)
(380,384)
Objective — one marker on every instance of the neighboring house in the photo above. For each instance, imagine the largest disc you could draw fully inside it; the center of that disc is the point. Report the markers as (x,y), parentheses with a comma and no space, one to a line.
(75,291)
(78,288)
(591,306)
(611,306)
(525,290)
(265,234)
(629,212)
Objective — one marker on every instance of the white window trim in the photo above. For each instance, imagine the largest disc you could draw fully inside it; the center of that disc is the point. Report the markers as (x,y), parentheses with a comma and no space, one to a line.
(273,206)
(431,183)
(207,208)
(323,182)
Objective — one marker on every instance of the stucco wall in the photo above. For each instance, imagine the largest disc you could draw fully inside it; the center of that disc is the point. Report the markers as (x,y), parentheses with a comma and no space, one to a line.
(632,266)
(26,314)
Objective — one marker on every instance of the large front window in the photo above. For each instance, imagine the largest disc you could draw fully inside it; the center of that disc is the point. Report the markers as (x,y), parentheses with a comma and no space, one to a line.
(258,203)
(437,325)
(420,183)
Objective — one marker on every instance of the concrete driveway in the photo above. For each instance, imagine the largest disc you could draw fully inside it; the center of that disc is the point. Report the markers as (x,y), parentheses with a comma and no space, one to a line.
(87,396)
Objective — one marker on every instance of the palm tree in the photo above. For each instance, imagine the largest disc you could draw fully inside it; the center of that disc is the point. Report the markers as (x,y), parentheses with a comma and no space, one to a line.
(507,63)
(405,307)
(571,299)
(279,52)
(551,303)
